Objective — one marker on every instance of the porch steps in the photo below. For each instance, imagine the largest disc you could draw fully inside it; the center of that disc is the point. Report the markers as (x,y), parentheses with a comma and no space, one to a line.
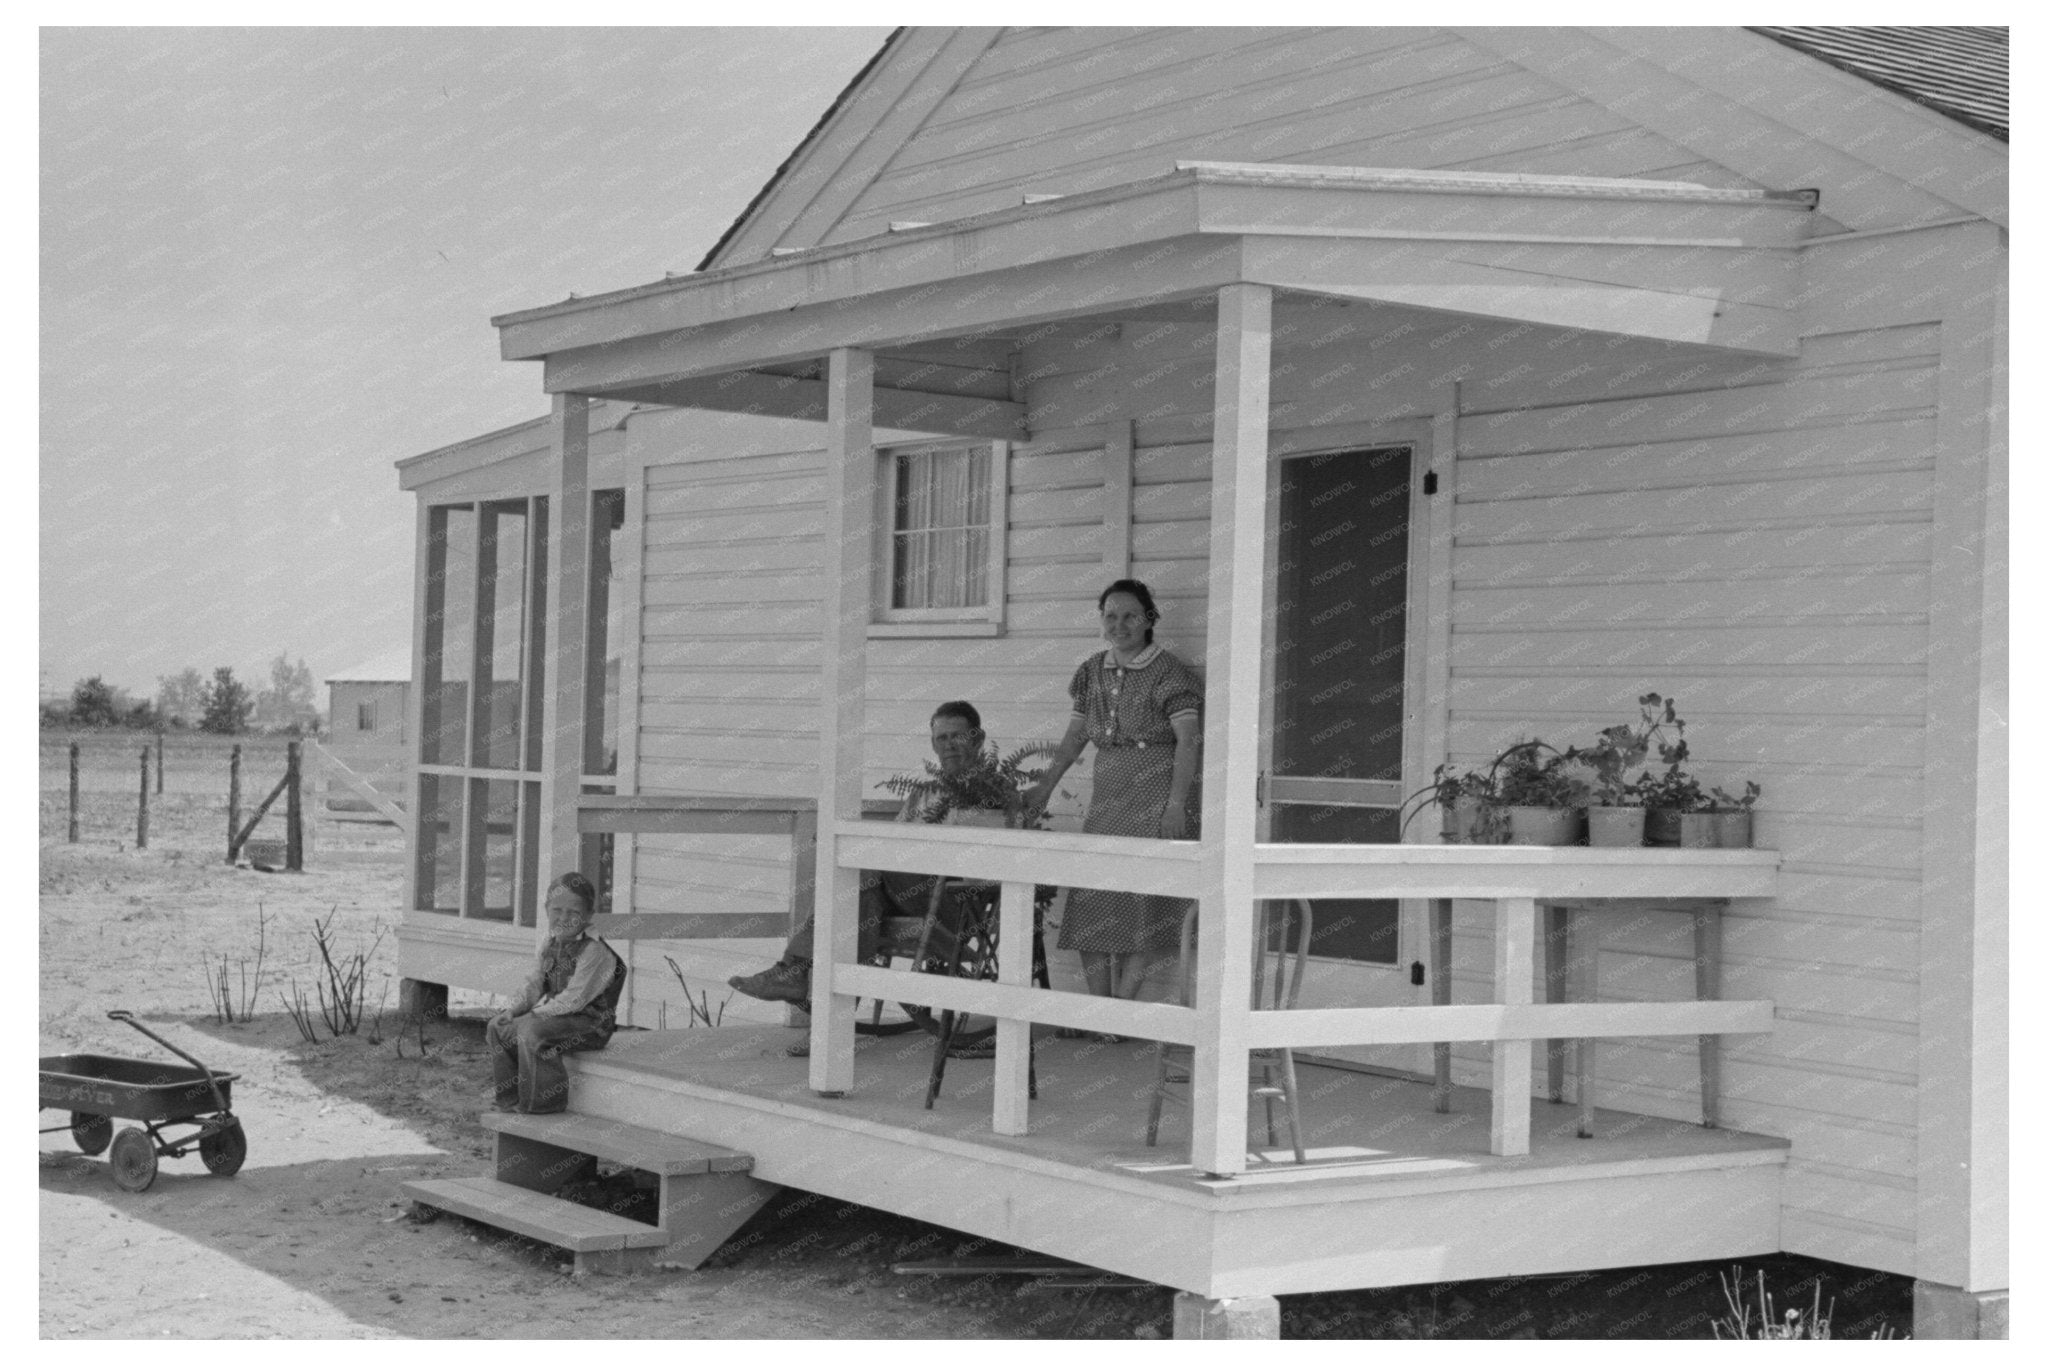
(704,1194)
(629,1145)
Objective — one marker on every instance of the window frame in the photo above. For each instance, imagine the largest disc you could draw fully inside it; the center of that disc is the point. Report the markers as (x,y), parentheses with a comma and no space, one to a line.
(985,619)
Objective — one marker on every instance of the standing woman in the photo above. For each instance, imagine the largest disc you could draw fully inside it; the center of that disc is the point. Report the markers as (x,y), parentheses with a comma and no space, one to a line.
(1142,707)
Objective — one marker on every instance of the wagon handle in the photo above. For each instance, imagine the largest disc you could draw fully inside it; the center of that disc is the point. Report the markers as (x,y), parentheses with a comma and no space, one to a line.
(127,1017)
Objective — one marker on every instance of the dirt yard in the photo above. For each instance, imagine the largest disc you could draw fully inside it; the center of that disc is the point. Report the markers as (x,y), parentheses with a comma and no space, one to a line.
(312,1240)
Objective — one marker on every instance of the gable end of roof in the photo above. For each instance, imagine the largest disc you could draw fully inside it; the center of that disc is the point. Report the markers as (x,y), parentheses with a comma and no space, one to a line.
(803,145)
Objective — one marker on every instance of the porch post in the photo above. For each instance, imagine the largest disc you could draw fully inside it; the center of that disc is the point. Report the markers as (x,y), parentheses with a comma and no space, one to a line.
(842,701)
(1514,954)
(562,712)
(1230,737)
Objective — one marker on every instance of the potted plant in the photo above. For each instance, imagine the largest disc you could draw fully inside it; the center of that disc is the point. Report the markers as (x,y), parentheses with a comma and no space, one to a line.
(1543,799)
(1617,816)
(1724,822)
(1667,797)
(986,792)
(1471,816)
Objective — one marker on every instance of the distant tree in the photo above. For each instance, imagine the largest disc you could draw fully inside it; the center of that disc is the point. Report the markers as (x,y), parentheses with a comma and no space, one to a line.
(179,697)
(287,704)
(141,716)
(95,702)
(225,704)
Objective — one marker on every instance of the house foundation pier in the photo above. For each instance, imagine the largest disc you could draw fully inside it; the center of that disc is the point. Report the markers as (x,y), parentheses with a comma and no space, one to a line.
(1944,1312)
(1240,1316)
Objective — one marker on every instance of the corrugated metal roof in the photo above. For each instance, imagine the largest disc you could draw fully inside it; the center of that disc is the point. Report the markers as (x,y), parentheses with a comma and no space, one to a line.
(1965,73)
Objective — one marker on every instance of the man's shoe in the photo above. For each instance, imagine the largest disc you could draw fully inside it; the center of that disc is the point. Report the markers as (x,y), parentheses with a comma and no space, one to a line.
(782,982)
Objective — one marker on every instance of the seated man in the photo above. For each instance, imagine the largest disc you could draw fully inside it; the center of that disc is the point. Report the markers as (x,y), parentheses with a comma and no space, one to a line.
(566,1005)
(957,740)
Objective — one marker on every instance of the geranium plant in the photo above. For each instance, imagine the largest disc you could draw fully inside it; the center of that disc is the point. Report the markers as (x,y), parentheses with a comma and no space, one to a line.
(1621,748)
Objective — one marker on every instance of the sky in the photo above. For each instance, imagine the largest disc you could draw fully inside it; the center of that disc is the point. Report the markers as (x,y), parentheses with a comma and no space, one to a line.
(269,258)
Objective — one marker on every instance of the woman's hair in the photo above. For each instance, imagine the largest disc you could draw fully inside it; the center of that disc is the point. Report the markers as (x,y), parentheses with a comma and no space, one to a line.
(964,710)
(1138,591)
(579,887)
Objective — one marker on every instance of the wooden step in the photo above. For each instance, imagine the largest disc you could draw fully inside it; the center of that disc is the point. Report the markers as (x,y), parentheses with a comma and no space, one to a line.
(518,1210)
(647,1150)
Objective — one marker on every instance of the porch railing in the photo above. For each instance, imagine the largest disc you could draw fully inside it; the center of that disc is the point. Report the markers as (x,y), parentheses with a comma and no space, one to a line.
(1513,880)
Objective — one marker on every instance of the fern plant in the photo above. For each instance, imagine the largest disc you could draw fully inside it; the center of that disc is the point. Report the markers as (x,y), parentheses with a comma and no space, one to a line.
(988,782)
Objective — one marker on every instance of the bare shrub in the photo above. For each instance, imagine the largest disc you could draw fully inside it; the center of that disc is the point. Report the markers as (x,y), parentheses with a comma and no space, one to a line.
(301,1010)
(1761,1322)
(700,1002)
(234,994)
(344,992)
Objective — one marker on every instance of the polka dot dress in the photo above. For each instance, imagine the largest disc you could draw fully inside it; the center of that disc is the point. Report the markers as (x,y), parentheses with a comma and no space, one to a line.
(1129,712)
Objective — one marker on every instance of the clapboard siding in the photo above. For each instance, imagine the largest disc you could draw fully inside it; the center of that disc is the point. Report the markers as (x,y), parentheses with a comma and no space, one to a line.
(1069,110)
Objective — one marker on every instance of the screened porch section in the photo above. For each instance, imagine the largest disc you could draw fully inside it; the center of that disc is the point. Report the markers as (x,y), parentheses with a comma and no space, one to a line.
(482,657)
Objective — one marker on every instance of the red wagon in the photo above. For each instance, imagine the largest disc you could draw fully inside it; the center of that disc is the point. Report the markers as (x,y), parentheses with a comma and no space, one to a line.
(98,1089)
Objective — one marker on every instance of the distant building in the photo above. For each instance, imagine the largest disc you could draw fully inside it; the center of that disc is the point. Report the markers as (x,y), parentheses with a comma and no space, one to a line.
(368,707)
(366,704)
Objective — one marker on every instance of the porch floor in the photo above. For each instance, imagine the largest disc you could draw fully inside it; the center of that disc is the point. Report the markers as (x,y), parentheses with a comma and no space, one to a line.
(1394,1193)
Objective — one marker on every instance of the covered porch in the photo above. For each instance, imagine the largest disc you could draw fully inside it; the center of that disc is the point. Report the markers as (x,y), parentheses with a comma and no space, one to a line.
(917,329)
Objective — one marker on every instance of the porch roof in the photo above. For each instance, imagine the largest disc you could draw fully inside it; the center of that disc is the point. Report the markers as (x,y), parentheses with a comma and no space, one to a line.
(1656,259)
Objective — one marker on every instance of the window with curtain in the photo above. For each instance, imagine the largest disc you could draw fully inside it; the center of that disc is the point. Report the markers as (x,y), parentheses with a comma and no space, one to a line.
(940,527)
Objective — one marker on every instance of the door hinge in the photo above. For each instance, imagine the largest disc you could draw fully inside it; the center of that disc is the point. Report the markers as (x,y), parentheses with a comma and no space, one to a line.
(1259,789)
(1428,483)
(1415,973)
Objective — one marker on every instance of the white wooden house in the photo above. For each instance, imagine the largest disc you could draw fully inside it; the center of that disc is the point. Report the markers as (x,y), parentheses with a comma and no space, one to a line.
(1448,385)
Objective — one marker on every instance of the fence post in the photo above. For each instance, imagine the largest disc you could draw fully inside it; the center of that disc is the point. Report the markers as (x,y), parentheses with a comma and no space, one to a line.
(234,798)
(294,826)
(159,763)
(71,829)
(142,802)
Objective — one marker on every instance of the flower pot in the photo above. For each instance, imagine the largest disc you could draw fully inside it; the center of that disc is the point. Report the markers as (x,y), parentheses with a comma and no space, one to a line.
(1660,827)
(1466,823)
(1731,829)
(1546,824)
(1699,830)
(980,818)
(1614,827)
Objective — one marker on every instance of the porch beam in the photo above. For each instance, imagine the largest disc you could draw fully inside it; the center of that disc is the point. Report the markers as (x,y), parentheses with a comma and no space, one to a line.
(1230,757)
(842,712)
(987,305)
(563,713)
(1682,294)
(911,410)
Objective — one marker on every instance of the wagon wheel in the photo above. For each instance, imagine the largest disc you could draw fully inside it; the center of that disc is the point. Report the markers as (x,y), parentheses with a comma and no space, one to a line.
(92,1133)
(133,1159)
(223,1150)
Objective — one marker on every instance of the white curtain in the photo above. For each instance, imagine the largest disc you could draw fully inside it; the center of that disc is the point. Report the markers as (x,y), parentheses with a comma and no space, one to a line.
(941,531)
